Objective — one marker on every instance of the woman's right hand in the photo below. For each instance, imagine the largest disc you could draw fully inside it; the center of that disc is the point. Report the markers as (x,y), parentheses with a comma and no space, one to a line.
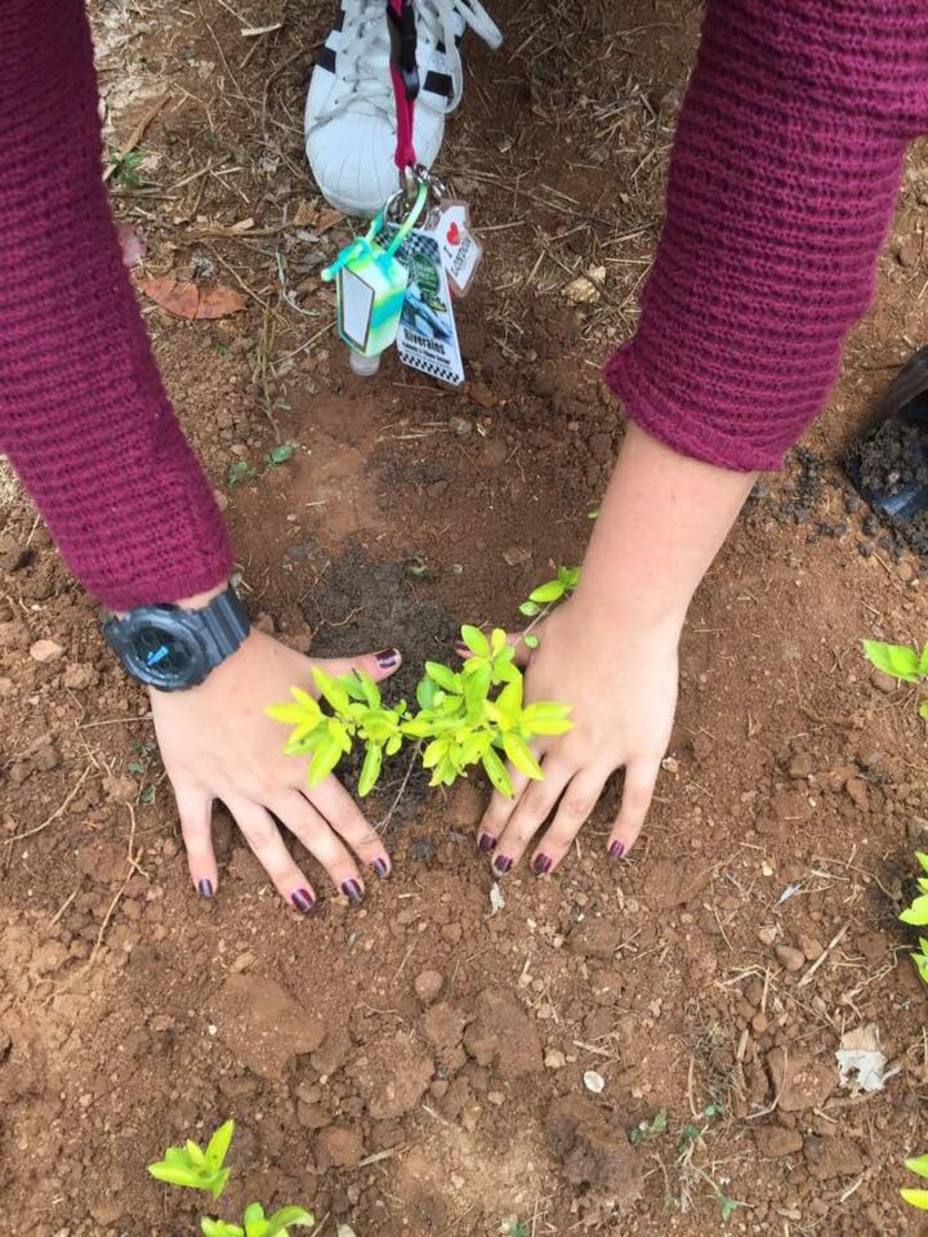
(217,743)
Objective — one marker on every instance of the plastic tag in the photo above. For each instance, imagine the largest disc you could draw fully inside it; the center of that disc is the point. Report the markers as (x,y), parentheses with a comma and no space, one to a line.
(427,339)
(371,283)
(461,252)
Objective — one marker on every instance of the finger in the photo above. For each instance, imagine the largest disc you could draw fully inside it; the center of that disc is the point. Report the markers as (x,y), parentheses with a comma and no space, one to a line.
(346,818)
(195,809)
(264,839)
(637,793)
(498,812)
(302,819)
(576,804)
(532,810)
(378,665)
(523,652)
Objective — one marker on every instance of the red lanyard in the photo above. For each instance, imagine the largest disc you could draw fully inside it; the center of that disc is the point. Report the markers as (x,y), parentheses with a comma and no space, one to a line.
(401,21)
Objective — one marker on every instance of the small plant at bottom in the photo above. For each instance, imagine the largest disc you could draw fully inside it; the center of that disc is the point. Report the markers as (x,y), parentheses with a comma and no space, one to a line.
(917,1198)
(465,717)
(126,168)
(901,662)
(917,916)
(194,1168)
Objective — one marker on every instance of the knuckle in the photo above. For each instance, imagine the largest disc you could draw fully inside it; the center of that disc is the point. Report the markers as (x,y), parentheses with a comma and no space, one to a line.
(576,807)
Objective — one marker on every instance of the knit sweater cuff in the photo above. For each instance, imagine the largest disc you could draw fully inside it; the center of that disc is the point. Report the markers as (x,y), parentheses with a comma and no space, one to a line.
(784,171)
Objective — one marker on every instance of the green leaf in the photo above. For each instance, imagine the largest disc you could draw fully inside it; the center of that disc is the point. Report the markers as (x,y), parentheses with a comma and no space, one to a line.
(918,1165)
(917,913)
(895,659)
(176,1174)
(917,1198)
(325,758)
(443,676)
(551,590)
(331,690)
(370,770)
(496,772)
(475,640)
(923,709)
(195,1154)
(569,577)
(545,717)
(530,641)
(218,1146)
(520,754)
(279,455)
(923,663)
(729,1207)
(922,859)
(497,641)
(219,1228)
(393,745)
(509,701)
(239,471)
(529,609)
(476,686)
(281,1220)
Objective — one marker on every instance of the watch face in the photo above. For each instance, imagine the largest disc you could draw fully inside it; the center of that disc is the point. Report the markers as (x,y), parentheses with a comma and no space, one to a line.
(163,650)
(162,653)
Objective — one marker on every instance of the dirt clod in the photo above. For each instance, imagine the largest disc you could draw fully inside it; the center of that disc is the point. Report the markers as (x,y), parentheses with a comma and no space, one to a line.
(428,986)
(263,1026)
(776,1140)
(594,1153)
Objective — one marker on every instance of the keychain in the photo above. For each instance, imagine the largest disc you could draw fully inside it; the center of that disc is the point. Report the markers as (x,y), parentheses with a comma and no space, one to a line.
(371,286)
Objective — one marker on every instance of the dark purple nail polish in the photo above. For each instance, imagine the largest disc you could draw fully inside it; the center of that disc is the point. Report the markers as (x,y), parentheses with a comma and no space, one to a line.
(205,888)
(381,867)
(388,659)
(353,891)
(486,843)
(541,864)
(616,850)
(303,900)
(502,864)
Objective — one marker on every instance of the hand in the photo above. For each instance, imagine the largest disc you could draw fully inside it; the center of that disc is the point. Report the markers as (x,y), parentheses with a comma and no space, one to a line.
(622,684)
(217,743)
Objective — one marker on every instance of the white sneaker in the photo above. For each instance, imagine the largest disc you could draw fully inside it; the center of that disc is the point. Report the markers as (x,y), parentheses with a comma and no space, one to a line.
(350,120)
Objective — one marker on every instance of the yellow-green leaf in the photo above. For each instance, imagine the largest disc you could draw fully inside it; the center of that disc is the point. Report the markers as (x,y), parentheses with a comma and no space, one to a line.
(496,772)
(918,1165)
(520,754)
(331,690)
(917,913)
(370,770)
(218,1146)
(475,640)
(917,1198)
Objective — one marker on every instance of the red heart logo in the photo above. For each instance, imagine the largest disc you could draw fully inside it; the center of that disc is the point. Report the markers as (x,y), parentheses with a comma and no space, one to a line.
(454,235)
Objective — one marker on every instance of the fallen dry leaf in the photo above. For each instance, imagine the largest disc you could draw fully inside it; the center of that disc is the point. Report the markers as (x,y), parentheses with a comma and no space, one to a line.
(186,300)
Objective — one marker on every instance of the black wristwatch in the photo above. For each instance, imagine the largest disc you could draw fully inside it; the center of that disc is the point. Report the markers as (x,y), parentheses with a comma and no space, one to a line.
(173,649)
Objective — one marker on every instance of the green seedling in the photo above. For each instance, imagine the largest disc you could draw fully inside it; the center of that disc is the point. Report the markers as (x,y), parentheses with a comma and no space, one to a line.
(279,455)
(551,592)
(193,1168)
(126,169)
(240,471)
(917,916)
(903,663)
(644,1131)
(917,1198)
(515,1228)
(465,717)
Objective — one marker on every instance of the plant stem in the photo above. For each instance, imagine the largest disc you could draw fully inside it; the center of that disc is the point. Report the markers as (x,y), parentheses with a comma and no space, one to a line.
(382,825)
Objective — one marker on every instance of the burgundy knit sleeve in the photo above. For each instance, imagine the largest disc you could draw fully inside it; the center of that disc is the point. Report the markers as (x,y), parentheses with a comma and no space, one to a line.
(83,414)
(784,171)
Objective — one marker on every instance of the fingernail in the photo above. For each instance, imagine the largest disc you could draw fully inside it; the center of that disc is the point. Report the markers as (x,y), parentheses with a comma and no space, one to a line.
(541,864)
(353,891)
(388,659)
(616,850)
(381,867)
(303,900)
(205,888)
(502,864)
(486,843)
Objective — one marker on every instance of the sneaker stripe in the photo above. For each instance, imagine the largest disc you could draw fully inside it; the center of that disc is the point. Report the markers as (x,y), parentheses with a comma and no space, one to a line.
(439,83)
(326,59)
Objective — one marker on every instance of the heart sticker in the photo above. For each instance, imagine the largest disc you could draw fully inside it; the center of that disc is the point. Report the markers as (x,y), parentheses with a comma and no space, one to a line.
(454,234)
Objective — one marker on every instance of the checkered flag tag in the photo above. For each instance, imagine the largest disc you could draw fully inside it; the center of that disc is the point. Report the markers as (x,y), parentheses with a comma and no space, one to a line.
(427,339)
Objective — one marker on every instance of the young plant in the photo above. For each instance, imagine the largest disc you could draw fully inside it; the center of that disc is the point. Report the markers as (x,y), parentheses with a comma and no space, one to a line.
(917,916)
(126,168)
(192,1168)
(917,1198)
(541,600)
(465,717)
(903,663)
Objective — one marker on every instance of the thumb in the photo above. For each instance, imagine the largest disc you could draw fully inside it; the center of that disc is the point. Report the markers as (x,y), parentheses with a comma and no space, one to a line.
(378,665)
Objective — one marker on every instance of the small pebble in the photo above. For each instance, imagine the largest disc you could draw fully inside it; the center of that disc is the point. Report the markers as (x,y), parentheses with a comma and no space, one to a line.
(792,959)
(428,985)
(594,1082)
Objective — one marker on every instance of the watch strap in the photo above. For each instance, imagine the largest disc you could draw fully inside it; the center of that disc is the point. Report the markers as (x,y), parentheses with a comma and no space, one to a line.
(225,626)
